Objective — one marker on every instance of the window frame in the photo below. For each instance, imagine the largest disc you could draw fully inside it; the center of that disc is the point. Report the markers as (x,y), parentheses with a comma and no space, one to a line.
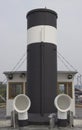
(68,88)
(10,89)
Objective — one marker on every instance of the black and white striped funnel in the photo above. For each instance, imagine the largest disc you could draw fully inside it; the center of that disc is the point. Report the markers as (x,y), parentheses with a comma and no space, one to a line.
(41,26)
(41,63)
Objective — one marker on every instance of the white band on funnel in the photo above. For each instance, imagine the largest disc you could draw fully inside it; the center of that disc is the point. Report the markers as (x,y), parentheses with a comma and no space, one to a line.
(42,34)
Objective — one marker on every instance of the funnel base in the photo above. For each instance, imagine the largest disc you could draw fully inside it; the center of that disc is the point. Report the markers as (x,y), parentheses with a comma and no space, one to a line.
(22,123)
(38,119)
(62,122)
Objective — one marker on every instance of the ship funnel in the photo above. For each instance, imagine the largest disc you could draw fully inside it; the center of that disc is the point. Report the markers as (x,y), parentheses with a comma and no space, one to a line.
(41,63)
(22,104)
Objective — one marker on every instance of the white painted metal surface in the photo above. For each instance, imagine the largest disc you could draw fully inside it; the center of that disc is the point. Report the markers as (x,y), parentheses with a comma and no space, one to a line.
(22,104)
(63,104)
(42,34)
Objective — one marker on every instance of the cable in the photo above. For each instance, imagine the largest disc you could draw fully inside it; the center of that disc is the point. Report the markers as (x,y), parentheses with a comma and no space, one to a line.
(21,63)
(4,81)
(62,58)
(79,74)
(68,62)
(18,62)
(63,62)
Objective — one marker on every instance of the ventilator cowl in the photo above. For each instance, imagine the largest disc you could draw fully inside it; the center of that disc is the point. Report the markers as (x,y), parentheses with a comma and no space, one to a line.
(22,104)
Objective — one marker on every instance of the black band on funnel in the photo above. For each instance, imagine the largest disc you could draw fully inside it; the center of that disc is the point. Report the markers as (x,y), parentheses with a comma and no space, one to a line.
(41,17)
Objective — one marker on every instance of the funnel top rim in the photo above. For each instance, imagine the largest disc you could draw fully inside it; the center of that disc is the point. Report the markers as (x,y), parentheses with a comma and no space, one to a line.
(41,10)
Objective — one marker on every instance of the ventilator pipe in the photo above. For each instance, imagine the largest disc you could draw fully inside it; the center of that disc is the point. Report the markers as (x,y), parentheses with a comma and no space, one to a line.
(22,104)
(63,105)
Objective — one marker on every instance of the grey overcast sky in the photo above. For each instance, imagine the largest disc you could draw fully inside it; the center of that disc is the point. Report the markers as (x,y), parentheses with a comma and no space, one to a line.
(13,31)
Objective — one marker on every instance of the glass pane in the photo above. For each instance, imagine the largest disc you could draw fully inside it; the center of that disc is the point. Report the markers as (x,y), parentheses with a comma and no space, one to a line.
(62,88)
(18,89)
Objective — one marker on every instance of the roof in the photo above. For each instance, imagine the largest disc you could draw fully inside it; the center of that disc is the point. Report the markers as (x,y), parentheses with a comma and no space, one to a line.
(68,72)
(59,72)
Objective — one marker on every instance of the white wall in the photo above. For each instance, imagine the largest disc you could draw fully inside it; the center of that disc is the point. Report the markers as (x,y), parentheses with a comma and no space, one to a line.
(63,77)
(9,102)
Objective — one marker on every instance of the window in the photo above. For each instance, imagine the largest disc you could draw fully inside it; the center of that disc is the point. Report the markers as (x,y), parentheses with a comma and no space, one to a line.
(62,88)
(15,89)
(65,87)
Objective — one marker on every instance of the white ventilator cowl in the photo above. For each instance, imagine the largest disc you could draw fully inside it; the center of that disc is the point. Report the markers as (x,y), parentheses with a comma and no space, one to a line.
(22,104)
(63,104)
